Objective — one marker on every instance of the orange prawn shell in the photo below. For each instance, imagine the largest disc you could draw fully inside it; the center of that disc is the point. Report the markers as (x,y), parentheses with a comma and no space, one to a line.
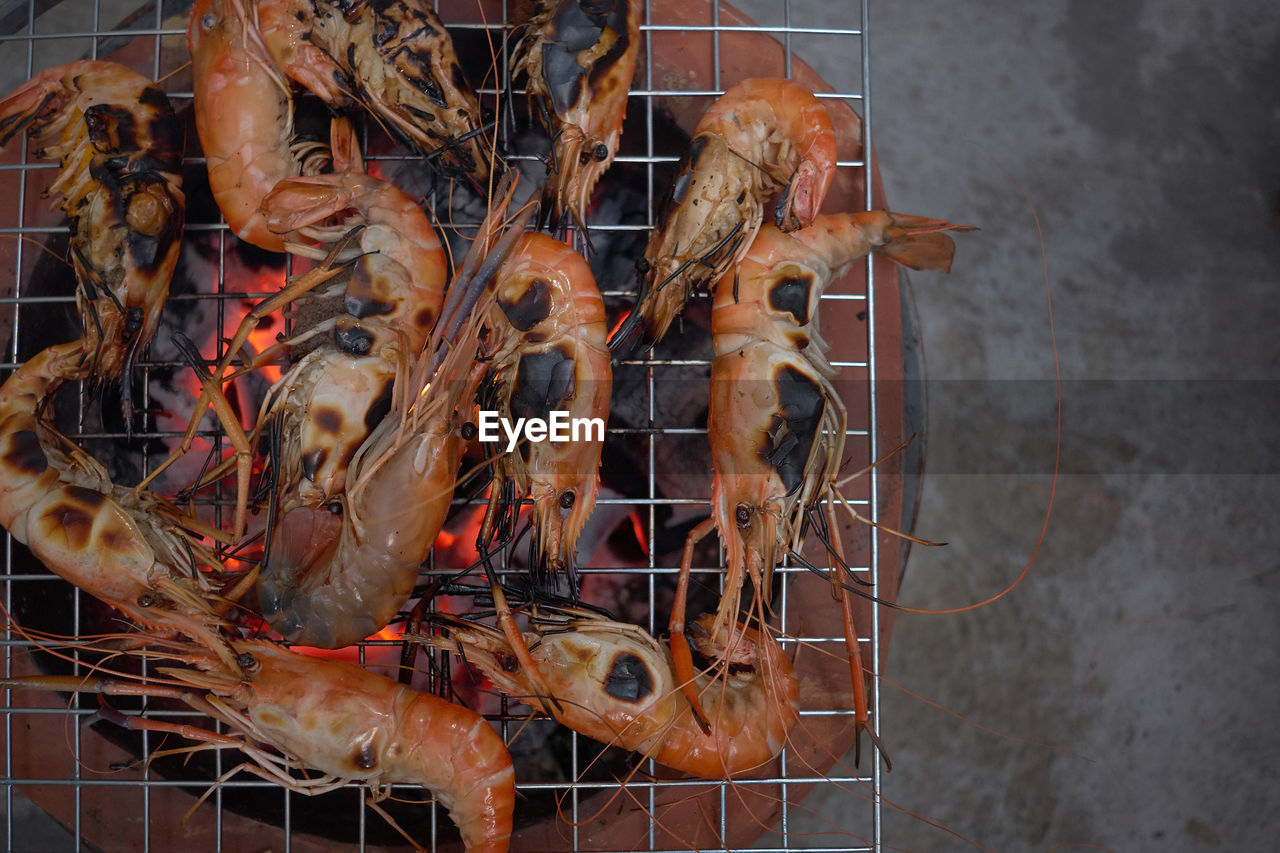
(120,183)
(785,131)
(548,307)
(615,683)
(761,136)
(345,721)
(394,288)
(119,546)
(587,112)
(244,118)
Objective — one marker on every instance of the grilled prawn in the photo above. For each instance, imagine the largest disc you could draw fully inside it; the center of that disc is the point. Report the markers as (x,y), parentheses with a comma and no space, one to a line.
(120,184)
(776,424)
(579,57)
(545,347)
(615,683)
(391,295)
(762,137)
(340,571)
(393,58)
(244,118)
(339,719)
(125,547)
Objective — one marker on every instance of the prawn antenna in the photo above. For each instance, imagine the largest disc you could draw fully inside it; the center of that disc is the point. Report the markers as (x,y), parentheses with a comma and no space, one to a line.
(826,575)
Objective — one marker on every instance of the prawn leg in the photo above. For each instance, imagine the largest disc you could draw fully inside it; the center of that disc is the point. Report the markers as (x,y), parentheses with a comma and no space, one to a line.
(104,686)
(853,650)
(681,654)
(212,395)
(506,620)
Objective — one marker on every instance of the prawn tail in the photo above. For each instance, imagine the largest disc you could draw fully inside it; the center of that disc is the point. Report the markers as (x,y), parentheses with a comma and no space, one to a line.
(917,242)
(25,106)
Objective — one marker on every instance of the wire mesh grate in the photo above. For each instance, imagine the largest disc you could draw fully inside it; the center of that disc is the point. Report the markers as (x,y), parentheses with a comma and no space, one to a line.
(692,52)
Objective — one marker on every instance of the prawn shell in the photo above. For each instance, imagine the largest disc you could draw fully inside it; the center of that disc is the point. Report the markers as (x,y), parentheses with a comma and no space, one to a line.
(549,321)
(120,183)
(615,683)
(342,720)
(580,58)
(331,581)
(244,118)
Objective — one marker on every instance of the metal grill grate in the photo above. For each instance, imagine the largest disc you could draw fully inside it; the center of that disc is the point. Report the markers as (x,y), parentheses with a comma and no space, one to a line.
(35,34)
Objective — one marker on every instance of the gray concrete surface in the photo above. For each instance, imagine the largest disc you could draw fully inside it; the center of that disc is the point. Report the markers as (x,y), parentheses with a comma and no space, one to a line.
(1140,651)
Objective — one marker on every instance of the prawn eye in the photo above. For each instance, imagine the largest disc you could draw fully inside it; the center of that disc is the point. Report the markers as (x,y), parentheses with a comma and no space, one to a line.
(742,515)
(335,507)
(566,500)
(584,157)
(602,152)
(642,265)
(468,431)
(209,20)
(244,660)
(133,321)
(146,600)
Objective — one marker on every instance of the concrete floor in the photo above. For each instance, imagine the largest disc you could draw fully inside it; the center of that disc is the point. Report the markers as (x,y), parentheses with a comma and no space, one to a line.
(1119,697)
(1140,651)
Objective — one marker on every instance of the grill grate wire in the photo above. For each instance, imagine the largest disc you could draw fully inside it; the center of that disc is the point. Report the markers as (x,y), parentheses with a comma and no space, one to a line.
(36,34)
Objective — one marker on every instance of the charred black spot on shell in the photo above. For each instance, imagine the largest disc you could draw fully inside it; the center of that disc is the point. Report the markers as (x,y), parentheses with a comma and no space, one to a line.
(415,67)
(311,463)
(794,427)
(153,97)
(343,81)
(366,758)
(791,294)
(360,307)
(544,381)
(383,31)
(380,406)
(531,308)
(568,32)
(25,453)
(425,318)
(424,115)
(459,79)
(112,130)
(327,419)
(629,678)
(353,339)
(684,178)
